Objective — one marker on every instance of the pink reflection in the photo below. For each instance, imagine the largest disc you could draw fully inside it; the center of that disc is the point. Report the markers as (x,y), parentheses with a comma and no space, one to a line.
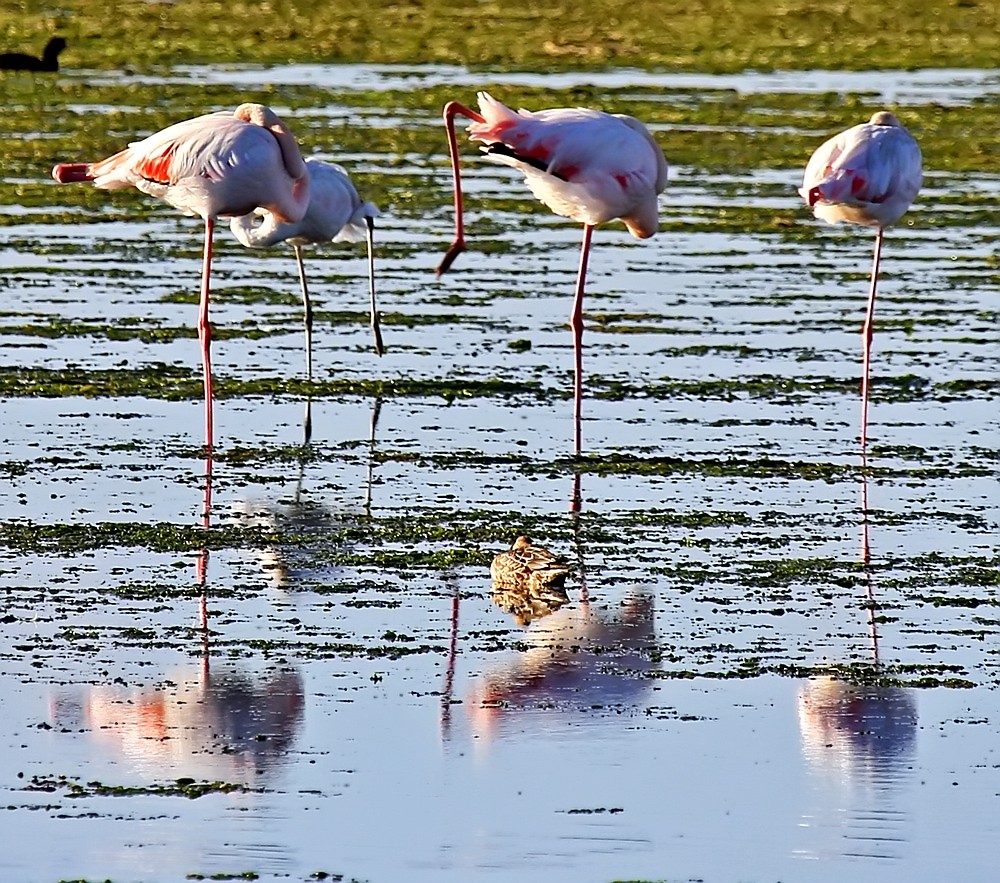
(860,732)
(861,741)
(865,734)
(205,722)
(579,657)
(228,724)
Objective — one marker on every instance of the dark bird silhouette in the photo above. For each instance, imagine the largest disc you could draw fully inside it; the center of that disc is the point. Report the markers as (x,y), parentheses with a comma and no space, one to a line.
(20,61)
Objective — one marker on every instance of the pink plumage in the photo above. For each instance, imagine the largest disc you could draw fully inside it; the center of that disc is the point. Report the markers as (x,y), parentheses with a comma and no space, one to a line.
(583,164)
(336,214)
(868,174)
(216,165)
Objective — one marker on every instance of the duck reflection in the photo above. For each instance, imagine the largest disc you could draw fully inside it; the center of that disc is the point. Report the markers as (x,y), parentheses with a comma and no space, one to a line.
(526,603)
(861,741)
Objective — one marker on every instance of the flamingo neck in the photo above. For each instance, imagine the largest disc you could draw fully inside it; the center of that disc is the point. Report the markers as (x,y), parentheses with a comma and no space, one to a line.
(292,207)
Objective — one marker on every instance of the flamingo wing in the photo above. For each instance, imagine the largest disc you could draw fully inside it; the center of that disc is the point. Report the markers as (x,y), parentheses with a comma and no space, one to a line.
(210,165)
(874,170)
(581,163)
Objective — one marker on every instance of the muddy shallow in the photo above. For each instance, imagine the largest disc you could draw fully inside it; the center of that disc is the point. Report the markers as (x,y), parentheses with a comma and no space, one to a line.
(315,679)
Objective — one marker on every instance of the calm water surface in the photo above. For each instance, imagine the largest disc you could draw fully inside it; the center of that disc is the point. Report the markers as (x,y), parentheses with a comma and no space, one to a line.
(729,694)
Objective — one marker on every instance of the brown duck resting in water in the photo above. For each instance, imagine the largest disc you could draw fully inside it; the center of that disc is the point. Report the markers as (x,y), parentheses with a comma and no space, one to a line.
(528,565)
(528,581)
(19,61)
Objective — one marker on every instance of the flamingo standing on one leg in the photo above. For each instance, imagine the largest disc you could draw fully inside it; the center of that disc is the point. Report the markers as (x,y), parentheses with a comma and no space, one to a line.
(215,165)
(868,174)
(583,164)
(336,213)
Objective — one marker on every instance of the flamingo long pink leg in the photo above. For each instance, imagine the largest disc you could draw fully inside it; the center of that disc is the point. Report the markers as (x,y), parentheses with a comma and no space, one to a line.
(458,244)
(866,557)
(575,500)
(307,320)
(866,549)
(205,334)
(867,333)
(576,323)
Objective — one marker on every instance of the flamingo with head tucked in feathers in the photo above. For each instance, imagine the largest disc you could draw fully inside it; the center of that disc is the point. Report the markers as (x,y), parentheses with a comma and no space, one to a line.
(336,214)
(217,165)
(868,174)
(583,164)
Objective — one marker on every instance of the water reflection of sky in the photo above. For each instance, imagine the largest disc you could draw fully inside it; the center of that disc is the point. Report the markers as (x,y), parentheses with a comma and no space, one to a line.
(654,776)
(895,87)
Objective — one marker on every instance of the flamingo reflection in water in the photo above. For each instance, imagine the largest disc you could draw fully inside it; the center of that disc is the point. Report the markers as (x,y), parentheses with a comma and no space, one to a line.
(867,732)
(227,724)
(215,723)
(579,656)
(290,565)
(528,582)
(860,741)
(861,737)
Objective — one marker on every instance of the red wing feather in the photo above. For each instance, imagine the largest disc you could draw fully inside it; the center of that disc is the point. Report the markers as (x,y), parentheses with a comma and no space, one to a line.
(156,166)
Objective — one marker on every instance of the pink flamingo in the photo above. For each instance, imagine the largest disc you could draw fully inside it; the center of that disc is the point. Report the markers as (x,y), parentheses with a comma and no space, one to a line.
(868,174)
(216,165)
(583,164)
(336,214)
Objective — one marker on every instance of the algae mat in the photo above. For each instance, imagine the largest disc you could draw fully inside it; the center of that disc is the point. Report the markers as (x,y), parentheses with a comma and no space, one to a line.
(708,35)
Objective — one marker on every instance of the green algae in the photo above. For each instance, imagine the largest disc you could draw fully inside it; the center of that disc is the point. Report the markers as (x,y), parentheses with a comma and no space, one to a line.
(168,382)
(221,876)
(712,35)
(867,674)
(172,383)
(73,788)
(161,537)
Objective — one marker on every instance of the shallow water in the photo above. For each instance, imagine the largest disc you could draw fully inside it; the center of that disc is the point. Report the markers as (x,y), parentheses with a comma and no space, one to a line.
(730,693)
